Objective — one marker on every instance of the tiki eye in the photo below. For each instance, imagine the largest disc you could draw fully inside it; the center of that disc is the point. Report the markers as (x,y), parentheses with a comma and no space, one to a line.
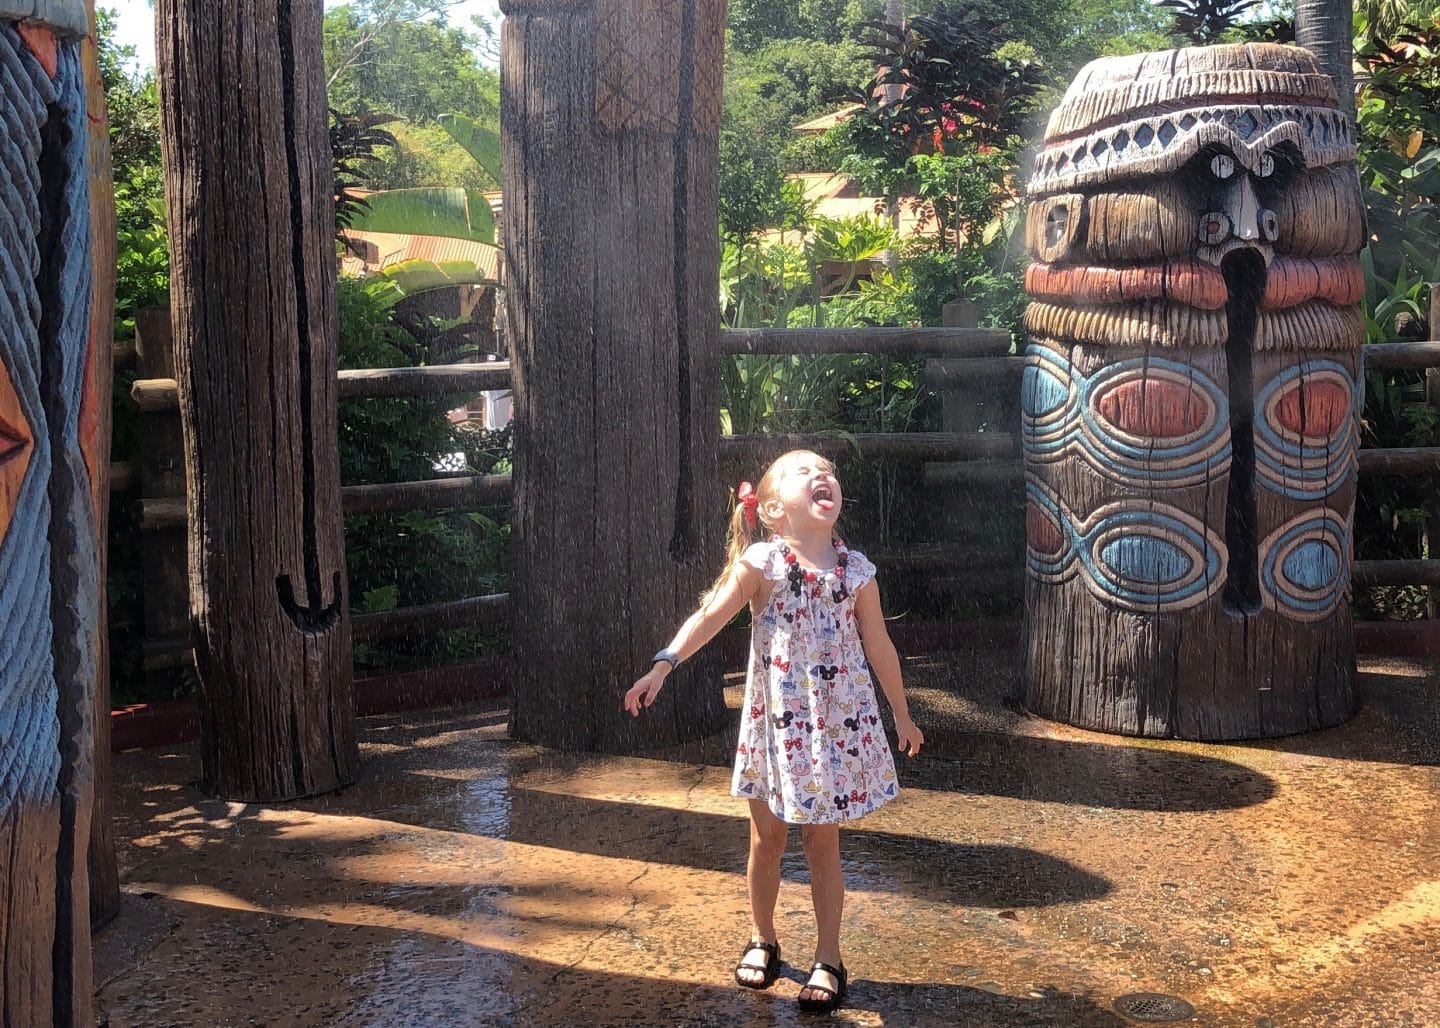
(1215,228)
(1267,166)
(1269,226)
(1222,166)
(1057,221)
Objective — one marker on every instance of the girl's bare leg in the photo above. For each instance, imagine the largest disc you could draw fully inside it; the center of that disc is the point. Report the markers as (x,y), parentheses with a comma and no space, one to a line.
(827,891)
(768,835)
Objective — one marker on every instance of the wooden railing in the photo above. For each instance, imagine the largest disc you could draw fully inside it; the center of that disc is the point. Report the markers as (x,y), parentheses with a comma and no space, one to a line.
(962,358)
(159,473)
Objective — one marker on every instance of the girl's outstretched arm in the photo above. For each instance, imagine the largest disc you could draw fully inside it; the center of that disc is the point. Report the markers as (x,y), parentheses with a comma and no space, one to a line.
(885,663)
(699,628)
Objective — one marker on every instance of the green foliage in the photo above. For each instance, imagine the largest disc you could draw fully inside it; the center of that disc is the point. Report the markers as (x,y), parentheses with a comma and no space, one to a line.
(753,23)
(943,81)
(428,211)
(356,142)
(1206,22)
(133,101)
(404,57)
(398,560)
(1398,109)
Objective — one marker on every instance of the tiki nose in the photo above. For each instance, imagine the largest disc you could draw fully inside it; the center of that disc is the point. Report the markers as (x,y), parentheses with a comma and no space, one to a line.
(1245,210)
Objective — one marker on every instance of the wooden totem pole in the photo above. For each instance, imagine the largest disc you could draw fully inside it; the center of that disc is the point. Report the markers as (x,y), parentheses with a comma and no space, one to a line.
(610,113)
(250,186)
(1191,396)
(54,358)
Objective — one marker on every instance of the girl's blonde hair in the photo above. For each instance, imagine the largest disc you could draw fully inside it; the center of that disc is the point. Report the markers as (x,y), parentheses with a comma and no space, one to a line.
(742,535)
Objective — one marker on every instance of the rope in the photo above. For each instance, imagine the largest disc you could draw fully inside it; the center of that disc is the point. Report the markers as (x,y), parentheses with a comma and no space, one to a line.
(74,571)
(30,757)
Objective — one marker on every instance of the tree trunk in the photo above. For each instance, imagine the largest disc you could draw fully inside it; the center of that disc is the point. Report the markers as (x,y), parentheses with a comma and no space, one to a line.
(1326,29)
(610,120)
(104,875)
(248,179)
(49,582)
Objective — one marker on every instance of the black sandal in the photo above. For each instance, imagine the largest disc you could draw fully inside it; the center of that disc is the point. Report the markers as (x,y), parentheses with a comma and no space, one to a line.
(835,998)
(771,967)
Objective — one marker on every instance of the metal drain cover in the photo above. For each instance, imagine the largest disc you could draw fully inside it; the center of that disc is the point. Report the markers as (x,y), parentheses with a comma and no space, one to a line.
(1153,1006)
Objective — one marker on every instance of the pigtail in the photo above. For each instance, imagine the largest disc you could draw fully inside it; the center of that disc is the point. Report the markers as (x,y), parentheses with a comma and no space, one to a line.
(745,530)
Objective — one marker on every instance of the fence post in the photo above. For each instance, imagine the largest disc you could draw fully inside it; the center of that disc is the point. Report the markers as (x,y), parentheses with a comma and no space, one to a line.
(965,407)
(162,474)
(1432,396)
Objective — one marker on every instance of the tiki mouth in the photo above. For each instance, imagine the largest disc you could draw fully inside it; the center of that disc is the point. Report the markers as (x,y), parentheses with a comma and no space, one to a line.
(1245,273)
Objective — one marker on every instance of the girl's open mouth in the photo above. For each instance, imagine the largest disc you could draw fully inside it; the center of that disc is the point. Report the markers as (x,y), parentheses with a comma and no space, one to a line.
(823,496)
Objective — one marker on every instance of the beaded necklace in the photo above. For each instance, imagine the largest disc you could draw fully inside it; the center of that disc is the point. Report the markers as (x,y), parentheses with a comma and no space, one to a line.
(798,576)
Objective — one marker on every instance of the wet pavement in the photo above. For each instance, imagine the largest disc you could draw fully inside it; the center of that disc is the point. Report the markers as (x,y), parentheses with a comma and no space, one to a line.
(1029,875)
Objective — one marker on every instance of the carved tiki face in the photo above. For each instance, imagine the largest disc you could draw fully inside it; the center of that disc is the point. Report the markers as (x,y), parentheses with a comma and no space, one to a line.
(1191,388)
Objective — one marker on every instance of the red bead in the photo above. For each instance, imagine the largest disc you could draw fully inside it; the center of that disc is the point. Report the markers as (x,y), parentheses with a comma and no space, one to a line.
(790,558)
(809,576)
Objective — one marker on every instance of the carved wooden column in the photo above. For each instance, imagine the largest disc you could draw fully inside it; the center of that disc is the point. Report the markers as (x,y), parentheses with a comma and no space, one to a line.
(1191,397)
(95,439)
(51,462)
(610,119)
(249,182)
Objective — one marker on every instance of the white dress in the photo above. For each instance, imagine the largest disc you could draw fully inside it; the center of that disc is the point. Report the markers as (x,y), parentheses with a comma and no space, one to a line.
(811,742)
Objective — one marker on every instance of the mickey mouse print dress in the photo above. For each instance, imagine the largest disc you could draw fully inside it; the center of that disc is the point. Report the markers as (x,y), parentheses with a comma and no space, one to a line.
(811,742)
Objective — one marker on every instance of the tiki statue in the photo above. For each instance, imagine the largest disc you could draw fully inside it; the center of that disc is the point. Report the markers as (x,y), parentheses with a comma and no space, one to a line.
(1190,397)
(55,338)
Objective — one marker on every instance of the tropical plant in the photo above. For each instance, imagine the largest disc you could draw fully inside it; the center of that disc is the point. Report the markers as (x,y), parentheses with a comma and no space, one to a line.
(422,556)
(1392,513)
(452,211)
(1204,22)
(355,143)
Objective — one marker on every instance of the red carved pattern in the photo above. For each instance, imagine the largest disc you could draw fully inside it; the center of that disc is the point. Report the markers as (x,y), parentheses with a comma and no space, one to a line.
(1291,281)
(16,442)
(1152,407)
(1042,534)
(1191,282)
(43,45)
(1314,409)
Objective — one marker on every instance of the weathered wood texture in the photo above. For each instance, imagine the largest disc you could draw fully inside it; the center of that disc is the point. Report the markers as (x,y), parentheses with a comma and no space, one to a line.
(950,341)
(248,180)
(1432,396)
(50,479)
(429,617)
(162,513)
(164,566)
(1404,356)
(163,393)
(609,125)
(1324,27)
(1190,421)
(95,439)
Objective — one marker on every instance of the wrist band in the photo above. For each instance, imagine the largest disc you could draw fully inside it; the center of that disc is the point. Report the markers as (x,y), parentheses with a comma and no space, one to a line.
(669,656)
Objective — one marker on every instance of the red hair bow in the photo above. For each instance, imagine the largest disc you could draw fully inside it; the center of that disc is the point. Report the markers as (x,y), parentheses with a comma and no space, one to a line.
(746,497)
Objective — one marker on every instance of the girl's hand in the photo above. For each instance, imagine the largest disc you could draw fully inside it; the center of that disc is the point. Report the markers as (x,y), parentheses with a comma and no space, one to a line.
(645,690)
(910,738)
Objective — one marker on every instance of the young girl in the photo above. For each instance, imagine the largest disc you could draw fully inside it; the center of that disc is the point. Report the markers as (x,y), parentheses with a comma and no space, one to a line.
(812,750)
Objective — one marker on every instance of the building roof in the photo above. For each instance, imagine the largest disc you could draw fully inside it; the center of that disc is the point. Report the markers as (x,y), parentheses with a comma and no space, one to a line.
(825,122)
(378,250)
(836,196)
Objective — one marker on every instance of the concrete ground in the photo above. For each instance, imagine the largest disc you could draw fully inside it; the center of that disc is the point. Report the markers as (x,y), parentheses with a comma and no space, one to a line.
(1030,875)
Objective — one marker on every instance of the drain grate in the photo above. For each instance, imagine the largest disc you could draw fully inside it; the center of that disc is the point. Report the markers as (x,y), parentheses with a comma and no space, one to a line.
(1154,1007)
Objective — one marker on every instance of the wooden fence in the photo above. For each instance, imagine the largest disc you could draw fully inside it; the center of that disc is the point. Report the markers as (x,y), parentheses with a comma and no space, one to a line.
(969,367)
